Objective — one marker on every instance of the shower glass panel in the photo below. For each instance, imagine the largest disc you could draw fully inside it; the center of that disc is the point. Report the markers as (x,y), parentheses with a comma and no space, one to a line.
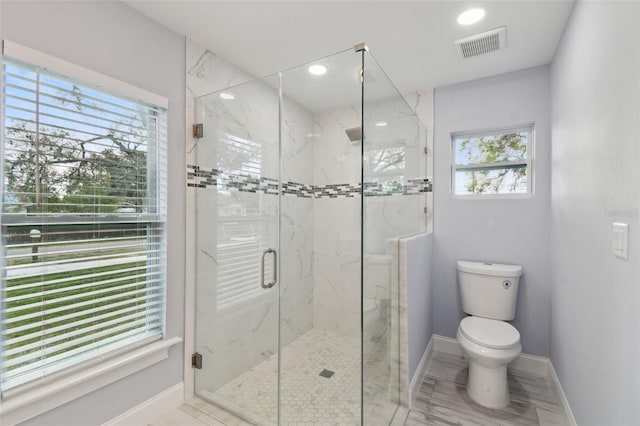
(298,295)
(236,226)
(320,359)
(393,206)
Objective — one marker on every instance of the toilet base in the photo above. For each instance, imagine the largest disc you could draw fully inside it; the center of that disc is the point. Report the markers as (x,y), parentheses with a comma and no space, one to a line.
(488,386)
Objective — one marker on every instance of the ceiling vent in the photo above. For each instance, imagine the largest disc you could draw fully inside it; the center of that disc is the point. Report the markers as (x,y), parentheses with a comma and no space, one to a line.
(482,43)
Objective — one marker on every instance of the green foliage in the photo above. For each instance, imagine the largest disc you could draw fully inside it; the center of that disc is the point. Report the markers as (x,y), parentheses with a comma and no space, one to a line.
(72,175)
(21,165)
(494,149)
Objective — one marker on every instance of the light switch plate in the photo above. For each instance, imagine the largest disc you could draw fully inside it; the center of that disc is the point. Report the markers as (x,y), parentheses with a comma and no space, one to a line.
(620,239)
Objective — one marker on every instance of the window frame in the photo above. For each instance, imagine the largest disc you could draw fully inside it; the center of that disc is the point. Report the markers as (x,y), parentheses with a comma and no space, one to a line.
(454,167)
(35,397)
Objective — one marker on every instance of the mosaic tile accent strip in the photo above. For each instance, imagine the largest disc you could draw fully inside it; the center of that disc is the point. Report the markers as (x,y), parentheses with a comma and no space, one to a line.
(337,190)
(391,188)
(200,178)
(298,189)
(417,186)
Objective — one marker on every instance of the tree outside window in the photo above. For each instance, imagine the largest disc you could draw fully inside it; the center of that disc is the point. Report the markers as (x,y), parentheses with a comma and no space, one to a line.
(492,163)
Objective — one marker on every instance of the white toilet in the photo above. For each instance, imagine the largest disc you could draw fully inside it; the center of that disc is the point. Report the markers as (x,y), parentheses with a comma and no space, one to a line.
(489,292)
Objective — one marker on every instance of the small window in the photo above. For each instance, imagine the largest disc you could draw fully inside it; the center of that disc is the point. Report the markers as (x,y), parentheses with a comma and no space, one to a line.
(492,163)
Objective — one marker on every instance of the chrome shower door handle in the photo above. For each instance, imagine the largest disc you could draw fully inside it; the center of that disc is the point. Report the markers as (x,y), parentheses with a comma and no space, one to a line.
(275,269)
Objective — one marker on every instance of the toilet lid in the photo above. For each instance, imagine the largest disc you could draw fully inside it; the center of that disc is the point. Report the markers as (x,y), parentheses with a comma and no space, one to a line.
(491,333)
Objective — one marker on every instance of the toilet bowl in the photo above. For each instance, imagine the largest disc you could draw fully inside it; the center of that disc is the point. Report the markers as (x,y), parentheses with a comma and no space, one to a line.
(489,293)
(490,346)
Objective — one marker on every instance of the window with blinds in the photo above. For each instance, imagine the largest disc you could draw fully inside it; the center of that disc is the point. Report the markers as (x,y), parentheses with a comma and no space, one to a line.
(83,212)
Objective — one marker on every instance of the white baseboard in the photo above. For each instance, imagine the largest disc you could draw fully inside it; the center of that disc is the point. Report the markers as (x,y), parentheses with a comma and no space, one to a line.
(446,345)
(151,409)
(416,380)
(563,398)
(532,364)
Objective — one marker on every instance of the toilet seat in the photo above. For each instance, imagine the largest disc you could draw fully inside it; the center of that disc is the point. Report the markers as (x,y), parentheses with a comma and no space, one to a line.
(490,333)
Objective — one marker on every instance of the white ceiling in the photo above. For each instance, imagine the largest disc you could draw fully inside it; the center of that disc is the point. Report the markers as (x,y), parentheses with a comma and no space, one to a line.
(411,40)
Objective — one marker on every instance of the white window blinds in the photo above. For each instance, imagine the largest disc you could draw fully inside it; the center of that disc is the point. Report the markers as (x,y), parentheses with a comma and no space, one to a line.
(83,211)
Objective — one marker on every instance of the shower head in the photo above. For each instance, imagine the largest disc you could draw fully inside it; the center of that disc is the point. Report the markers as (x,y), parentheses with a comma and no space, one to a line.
(354,134)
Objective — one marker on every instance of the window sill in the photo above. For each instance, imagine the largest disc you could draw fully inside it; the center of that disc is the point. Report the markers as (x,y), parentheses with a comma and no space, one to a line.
(526,196)
(36,401)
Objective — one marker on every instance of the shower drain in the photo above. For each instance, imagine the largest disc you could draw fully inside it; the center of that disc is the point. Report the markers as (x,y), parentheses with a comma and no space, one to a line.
(326,373)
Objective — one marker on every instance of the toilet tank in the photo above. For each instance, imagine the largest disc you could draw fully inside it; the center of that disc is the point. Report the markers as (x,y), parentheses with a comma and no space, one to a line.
(489,290)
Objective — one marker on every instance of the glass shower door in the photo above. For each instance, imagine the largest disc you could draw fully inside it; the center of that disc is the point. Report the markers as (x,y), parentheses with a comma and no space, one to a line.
(237,227)
(394,161)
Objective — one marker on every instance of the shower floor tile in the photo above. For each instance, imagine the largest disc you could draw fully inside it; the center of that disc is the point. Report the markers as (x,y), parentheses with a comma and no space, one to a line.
(307,396)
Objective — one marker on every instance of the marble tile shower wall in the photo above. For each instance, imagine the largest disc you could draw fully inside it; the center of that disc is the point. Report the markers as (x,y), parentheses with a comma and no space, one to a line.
(336,227)
(296,224)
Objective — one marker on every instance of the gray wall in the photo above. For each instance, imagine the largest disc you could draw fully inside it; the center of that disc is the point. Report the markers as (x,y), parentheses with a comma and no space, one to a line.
(595,337)
(111,38)
(507,231)
(420,320)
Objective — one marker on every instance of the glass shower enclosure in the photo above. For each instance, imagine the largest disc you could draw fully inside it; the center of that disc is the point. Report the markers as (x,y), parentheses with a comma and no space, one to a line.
(302,180)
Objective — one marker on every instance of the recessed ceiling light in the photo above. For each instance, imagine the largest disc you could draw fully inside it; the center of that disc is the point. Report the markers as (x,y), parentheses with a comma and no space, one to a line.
(228,96)
(471,16)
(317,69)
(381,123)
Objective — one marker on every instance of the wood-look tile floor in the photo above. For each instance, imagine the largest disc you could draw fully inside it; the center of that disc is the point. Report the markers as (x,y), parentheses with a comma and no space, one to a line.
(443,400)
(198,412)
